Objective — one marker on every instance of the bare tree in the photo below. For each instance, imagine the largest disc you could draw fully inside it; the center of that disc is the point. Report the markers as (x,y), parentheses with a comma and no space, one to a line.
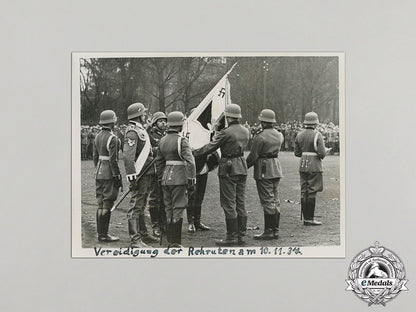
(291,86)
(190,70)
(162,71)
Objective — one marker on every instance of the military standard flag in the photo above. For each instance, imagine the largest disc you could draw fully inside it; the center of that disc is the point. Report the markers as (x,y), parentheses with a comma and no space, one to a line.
(199,125)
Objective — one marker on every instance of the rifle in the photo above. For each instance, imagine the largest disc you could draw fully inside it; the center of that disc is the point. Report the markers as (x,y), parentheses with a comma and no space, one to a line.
(144,170)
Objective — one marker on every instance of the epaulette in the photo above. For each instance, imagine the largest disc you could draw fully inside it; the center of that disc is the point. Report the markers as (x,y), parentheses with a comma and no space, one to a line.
(139,131)
(258,131)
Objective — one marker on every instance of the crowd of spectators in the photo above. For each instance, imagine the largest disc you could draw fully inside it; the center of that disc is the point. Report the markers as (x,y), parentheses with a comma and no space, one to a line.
(289,129)
(88,134)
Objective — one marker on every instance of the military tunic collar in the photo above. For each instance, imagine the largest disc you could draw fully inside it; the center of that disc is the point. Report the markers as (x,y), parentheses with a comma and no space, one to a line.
(234,122)
(157,130)
(136,123)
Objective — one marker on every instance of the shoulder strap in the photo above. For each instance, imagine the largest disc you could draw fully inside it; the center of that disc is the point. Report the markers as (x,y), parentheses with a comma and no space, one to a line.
(315,141)
(179,147)
(112,135)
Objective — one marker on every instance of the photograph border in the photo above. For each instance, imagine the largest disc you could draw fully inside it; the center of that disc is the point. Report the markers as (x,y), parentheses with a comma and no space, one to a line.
(77,251)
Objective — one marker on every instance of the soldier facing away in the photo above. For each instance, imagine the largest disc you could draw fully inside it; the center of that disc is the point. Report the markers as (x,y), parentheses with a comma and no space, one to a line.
(107,173)
(309,146)
(232,174)
(267,172)
(176,172)
(137,156)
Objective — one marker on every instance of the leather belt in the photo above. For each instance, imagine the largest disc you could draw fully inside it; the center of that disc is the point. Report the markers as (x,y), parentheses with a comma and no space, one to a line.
(266,156)
(175,163)
(232,156)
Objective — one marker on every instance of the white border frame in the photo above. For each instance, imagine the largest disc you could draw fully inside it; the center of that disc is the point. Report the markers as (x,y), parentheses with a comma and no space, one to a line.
(307,251)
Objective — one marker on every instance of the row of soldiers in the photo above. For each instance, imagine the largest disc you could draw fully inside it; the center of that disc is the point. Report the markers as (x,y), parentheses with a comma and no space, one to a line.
(290,130)
(162,165)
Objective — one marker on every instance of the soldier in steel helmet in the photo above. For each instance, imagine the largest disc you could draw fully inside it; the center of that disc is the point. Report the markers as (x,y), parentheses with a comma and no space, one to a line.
(175,167)
(107,173)
(267,172)
(137,156)
(156,130)
(309,146)
(232,174)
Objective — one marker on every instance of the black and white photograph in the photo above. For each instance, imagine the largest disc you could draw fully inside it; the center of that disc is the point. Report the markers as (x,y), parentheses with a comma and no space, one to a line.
(230,154)
(207,155)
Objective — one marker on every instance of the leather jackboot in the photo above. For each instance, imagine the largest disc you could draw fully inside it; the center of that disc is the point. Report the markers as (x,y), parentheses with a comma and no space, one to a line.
(177,234)
(154,217)
(169,233)
(142,229)
(190,216)
(136,242)
(231,238)
(276,225)
(304,208)
(103,223)
(242,229)
(197,220)
(268,228)
(311,206)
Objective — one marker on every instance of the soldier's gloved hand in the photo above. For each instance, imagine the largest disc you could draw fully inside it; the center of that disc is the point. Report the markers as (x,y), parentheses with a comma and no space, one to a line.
(118,182)
(133,184)
(191,185)
(132,180)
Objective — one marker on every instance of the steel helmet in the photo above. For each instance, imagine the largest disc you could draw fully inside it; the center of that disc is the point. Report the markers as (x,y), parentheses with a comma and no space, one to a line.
(267,115)
(107,116)
(175,119)
(233,110)
(136,110)
(311,118)
(157,116)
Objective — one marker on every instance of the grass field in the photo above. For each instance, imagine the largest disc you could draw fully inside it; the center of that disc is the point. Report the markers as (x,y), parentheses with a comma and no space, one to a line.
(292,232)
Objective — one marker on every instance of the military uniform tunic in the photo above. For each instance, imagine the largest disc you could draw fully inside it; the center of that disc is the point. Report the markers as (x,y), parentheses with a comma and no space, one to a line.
(232,169)
(137,154)
(175,164)
(267,170)
(309,146)
(105,151)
